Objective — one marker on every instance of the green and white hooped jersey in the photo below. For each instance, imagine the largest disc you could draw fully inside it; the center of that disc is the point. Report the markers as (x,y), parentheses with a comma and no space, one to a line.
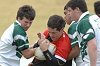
(74,41)
(13,41)
(85,33)
(73,34)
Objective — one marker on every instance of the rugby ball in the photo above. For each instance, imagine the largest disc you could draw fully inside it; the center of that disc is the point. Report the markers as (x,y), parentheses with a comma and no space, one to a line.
(39,54)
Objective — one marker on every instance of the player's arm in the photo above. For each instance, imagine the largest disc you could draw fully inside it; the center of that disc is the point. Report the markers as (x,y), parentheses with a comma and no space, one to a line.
(23,47)
(52,59)
(74,52)
(75,48)
(89,37)
(28,53)
(92,51)
(49,57)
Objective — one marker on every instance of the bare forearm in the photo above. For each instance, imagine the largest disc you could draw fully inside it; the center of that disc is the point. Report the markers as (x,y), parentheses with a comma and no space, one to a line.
(28,53)
(74,52)
(92,52)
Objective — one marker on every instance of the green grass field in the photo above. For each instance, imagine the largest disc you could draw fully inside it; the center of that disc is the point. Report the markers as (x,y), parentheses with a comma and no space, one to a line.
(44,9)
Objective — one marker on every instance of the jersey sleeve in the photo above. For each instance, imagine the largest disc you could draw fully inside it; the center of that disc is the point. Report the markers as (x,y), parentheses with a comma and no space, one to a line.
(86,31)
(20,38)
(72,33)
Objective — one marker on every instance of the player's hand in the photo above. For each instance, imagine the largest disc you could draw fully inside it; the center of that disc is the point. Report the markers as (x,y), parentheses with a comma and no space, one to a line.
(44,45)
(41,36)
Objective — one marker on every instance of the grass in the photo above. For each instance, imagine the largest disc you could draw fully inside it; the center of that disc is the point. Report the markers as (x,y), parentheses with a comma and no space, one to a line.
(44,9)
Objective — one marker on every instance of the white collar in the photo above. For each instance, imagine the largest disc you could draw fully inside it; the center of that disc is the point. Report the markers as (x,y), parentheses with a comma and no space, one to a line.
(85,13)
(18,22)
(72,22)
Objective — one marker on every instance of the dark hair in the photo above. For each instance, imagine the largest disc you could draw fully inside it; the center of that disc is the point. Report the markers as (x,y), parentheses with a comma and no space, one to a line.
(26,11)
(56,21)
(81,4)
(97,7)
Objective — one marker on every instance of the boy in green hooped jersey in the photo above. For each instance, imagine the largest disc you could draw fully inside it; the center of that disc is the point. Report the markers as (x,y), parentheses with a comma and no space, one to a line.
(14,41)
(75,52)
(77,10)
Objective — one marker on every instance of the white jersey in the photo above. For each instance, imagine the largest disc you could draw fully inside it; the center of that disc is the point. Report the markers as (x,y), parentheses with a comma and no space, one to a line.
(85,33)
(95,22)
(11,47)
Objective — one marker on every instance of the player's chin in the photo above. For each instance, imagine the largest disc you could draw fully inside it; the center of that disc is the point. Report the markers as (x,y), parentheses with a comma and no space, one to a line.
(26,29)
(54,39)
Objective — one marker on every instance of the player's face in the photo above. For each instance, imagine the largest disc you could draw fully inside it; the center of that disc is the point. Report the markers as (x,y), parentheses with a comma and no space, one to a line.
(72,13)
(67,17)
(25,23)
(54,34)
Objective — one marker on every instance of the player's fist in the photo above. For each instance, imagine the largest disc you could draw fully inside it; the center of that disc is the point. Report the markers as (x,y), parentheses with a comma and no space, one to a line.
(39,54)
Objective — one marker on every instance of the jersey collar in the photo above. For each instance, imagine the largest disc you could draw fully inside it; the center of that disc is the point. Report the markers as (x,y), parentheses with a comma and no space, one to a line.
(18,22)
(85,13)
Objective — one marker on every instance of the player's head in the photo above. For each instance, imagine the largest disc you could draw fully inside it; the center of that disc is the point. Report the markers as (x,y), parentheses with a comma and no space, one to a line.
(97,8)
(76,8)
(67,16)
(81,4)
(55,26)
(25,16)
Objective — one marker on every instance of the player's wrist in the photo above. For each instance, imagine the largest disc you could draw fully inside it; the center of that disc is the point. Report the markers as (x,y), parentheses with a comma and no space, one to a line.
(36,45)
(47,55)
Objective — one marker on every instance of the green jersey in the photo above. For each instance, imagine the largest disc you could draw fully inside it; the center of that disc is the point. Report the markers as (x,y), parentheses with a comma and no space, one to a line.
(13,41)
(85,33)
(73,34)
(74,41)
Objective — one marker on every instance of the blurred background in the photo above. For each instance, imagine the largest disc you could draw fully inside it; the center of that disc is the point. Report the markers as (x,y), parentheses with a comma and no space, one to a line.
(43,8)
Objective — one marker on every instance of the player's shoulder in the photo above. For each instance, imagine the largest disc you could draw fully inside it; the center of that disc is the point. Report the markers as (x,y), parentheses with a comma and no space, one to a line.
(18,30)
(94,17)
(72,28)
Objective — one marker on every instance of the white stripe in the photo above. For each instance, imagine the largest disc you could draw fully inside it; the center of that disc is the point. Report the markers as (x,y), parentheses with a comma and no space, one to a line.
(22,45)
(90,31)
(19,52)
(73,36)
(20,37)
(74,42)
(60,58)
